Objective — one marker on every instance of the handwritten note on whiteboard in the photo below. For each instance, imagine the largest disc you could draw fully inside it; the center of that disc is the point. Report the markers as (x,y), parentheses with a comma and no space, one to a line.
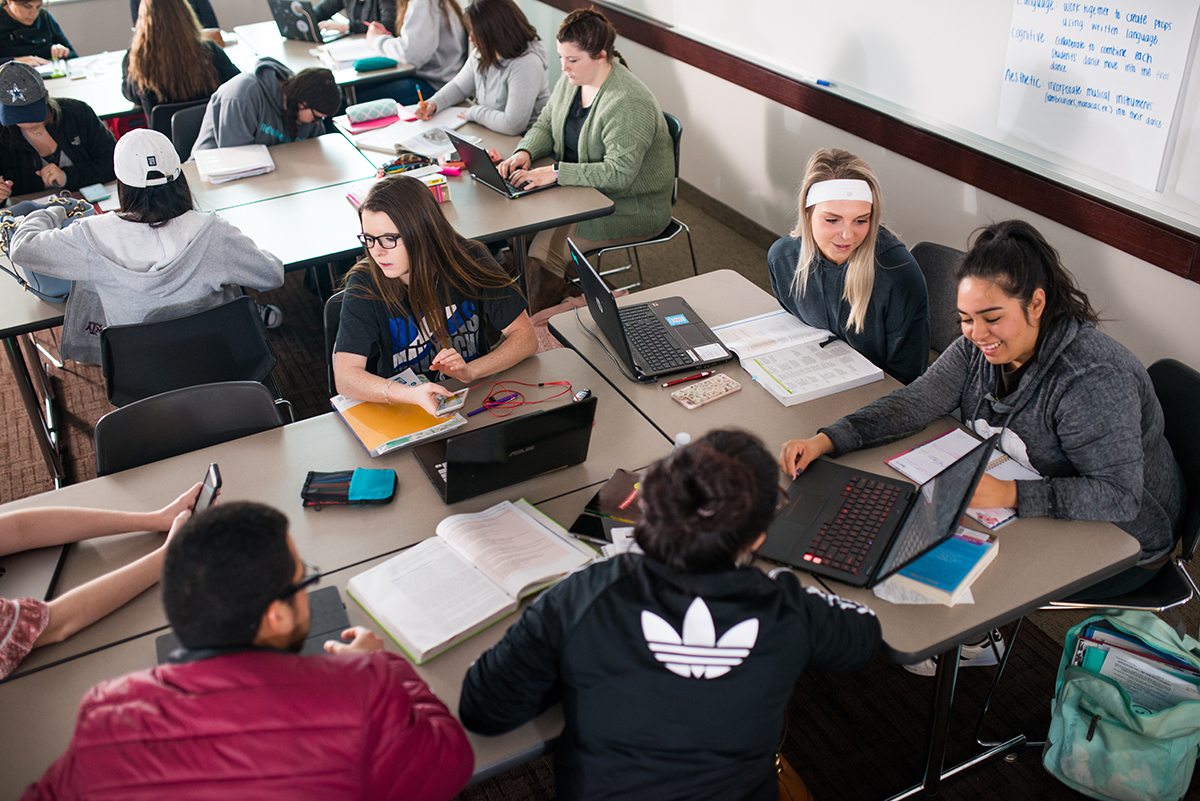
(1097,83)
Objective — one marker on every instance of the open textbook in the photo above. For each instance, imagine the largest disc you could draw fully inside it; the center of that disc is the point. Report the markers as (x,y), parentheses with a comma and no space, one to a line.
(793,361)
(474,572)
(423,138)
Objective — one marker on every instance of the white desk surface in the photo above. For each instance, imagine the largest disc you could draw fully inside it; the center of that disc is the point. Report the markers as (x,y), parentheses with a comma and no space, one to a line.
(264,39)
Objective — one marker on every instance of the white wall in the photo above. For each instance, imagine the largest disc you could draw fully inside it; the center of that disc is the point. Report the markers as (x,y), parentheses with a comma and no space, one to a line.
(97,25)
(747,152)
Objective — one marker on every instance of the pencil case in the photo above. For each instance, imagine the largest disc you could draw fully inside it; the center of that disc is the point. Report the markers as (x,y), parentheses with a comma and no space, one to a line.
(373,110)
(346,487)
(372,63)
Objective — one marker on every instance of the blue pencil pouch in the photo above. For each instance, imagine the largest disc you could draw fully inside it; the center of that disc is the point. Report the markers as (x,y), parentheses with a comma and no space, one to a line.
(372,63)
(349,487)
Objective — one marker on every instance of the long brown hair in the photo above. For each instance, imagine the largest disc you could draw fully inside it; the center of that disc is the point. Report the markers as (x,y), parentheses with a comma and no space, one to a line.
(591,32)
(167,55)
(500,29)
(438,257)
(447,7)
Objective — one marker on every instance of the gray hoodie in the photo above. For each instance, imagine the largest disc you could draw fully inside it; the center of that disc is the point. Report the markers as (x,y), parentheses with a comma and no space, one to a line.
(1084,416)
(508,97)
(127,272)
(248,110)
(434,45)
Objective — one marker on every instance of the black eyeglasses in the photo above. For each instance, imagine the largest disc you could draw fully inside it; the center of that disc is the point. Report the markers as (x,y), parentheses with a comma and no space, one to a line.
(312,575)
(386,241)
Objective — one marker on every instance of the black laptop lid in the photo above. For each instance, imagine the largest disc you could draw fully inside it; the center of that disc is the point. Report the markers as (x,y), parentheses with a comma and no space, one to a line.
(478,162)
(603,305)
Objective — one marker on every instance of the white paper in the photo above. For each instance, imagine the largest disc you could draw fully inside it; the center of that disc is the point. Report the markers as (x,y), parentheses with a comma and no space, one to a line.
(622,542)
(893,592)
(767,332)
(1149,687)
(807,371)
(406,134)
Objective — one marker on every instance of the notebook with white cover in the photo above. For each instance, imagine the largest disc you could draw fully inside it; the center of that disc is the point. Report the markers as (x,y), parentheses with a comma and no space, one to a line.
(230,163)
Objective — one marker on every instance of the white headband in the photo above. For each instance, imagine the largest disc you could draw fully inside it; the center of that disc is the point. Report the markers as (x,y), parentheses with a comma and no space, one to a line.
(842,189)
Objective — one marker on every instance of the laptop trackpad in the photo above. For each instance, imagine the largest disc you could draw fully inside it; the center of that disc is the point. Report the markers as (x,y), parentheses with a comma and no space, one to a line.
(691,335)
(803,509)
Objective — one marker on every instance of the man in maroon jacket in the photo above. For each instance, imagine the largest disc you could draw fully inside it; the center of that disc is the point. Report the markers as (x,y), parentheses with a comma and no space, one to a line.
(238,713)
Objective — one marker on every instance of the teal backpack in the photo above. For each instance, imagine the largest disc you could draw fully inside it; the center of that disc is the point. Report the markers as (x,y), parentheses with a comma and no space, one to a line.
(1099,745)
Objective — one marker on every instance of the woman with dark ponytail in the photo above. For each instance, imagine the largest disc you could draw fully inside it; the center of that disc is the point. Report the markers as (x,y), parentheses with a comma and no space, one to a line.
(673,666)
(1072,404)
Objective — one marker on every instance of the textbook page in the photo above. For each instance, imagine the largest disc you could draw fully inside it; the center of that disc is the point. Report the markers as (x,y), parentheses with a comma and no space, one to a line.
(515,545)
(399,135)
(808,370)
(767,332)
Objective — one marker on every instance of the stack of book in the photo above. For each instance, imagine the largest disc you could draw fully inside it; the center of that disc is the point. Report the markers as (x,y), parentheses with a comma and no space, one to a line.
(948,571)
(224,164)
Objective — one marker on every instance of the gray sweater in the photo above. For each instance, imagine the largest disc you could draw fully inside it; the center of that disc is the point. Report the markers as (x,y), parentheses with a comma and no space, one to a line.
(434,45)
(127,272)
(1084,416)
(508,97)
(248,110)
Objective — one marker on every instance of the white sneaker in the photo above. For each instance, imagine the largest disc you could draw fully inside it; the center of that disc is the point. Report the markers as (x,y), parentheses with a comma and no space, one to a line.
(979,654)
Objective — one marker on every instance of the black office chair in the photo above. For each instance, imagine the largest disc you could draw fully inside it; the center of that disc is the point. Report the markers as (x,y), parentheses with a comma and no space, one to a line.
(675,128)
(938,263)
(223,343)
(161,116)
(185,128)
(1178,389)
(181,421)
(333,318)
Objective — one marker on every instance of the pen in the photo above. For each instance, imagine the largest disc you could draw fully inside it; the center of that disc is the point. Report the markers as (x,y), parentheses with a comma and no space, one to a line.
(354,201)
(704,374)
(489,403)
(421,97)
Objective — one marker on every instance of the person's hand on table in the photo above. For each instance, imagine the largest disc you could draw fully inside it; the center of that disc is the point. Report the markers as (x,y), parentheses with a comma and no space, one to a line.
(165,518)
(531,179)
(798,454)
(450,362)
(35,61)
(362,641)
(517,161)
(52,175)
(424,112)
(375,30)
(59,51)
(423,395)
(334,25)
(992,493)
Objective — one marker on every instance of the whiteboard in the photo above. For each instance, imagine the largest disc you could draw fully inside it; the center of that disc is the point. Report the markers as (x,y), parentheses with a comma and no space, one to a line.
(942,65)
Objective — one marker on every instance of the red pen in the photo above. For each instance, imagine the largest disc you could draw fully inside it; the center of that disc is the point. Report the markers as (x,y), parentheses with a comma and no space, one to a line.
(704,374)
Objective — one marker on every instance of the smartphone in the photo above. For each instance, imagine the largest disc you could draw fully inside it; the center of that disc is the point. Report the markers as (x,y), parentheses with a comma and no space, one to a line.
(451,404)
(95,193)
(208,490)
(706,391)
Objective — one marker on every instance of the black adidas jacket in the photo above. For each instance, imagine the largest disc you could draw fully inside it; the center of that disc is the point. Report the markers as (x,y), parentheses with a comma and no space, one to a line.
(673,686)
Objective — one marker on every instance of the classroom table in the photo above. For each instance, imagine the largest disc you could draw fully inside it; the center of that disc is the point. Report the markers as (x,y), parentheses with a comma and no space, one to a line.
(264,39)
(1040,559)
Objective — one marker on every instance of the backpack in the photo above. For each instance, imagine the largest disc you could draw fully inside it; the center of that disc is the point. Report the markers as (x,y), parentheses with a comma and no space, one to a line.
(48,288)
(1099,745)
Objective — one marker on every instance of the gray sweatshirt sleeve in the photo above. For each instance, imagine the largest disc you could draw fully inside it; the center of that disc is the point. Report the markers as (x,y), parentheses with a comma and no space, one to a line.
(523,78)
(417,39)
(458,88)
(39,245)
(243,263)
(906,410)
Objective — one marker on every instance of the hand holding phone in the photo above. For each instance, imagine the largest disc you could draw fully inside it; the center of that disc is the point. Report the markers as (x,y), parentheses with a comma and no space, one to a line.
(209,489)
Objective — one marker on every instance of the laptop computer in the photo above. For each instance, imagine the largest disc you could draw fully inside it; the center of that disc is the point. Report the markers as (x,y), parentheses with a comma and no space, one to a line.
(296,21)
(508,452)
(650,339)
(480,165)
(31,574)
(860,528)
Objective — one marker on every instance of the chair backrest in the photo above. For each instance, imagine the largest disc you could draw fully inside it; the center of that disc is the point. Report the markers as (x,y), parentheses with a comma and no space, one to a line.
(675,128)
(180,421)
(185,127)
(1178,389)
(937,263)
(333,318)
(161,116)
(224,343)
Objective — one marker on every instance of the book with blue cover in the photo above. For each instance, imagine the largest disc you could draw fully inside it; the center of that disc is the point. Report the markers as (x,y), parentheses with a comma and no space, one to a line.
(945,573)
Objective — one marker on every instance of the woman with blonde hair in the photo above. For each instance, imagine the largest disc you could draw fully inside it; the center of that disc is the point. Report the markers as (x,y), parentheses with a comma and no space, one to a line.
(169,61)
(840,269)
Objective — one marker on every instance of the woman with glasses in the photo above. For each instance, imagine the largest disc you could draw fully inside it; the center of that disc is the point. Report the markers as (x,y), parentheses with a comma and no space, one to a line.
(28,33)
(423,299)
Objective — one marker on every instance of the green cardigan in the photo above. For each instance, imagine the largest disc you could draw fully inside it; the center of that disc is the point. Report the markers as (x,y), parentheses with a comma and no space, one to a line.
(624,150)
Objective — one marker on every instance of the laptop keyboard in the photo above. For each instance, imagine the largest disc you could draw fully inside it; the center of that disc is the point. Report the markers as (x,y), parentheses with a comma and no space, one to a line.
(441,468)
(843,543)
(648,335)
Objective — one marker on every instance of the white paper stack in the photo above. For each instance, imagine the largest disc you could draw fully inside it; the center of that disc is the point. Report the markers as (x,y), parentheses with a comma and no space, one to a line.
(230,163)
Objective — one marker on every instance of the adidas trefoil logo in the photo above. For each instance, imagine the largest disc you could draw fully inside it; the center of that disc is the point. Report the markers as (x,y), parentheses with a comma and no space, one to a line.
(698,653)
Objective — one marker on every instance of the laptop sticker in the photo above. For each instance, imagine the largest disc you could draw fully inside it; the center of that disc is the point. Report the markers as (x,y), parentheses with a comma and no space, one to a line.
(677,319)
(707,352)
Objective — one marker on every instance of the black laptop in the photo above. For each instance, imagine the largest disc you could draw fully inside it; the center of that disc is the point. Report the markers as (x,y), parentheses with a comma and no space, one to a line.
(650,339)
(860,528)
(480,165)
(295,20)
(508,452)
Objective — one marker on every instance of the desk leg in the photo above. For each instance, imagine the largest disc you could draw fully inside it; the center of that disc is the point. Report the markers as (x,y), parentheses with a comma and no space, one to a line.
(939,730)
(43,426)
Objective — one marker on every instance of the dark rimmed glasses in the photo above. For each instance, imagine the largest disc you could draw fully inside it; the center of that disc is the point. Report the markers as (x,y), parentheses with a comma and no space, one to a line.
(386,241)
(312,576)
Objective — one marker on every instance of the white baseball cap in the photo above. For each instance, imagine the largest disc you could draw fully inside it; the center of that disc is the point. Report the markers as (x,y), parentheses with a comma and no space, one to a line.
(144,157)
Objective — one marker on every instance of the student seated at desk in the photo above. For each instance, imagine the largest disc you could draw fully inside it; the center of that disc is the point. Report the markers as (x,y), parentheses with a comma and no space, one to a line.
(155,259)
(28,33)
(47,143)
(673,668)
(27,623)
(431,38)
(169,61)
(505,71)
(269,107)
(423,298)
(238,713)
(359,14)
(1070,403)
(605,130)
(841,270)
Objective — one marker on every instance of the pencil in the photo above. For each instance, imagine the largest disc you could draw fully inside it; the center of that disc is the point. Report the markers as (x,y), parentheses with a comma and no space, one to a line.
(421,97)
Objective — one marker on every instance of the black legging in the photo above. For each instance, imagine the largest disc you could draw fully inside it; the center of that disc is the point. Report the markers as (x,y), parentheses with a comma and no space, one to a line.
(204,11)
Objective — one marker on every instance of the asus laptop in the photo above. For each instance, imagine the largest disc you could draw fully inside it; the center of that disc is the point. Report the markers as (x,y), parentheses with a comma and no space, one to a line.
(650,339)
(480,165)
(506,453)
(296,21)
(860,528)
